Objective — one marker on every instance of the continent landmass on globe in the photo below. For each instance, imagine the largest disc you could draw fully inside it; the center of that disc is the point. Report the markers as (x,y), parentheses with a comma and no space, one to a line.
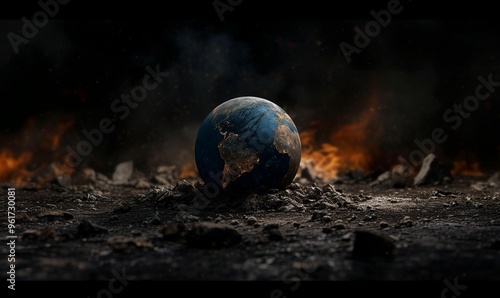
(248,142)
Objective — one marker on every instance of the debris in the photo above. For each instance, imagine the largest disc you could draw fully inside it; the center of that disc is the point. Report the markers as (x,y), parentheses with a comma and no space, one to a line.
(123,172)
(338,225)
(122,244)
(166,175)
(54,215)
(122,207)
(398,177)
(432,172)
(383,224)
(211,235)
(274,234)
(327,230)
(173,231)
(85,176)
(372,243)
(88,229)
(251,220)
(101,178)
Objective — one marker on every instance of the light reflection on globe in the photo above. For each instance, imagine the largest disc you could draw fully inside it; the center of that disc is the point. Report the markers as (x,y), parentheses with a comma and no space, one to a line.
(247,143)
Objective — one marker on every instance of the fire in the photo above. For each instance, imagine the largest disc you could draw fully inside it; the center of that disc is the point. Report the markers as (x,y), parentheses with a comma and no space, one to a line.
(464,168)
(14,168)
(466,164)
(351,147)
(188,170)
(19,168)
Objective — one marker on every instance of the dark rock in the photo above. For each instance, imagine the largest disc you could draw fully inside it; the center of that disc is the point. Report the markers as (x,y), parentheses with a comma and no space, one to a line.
(326,219)
(235,222)
(85,176)
(251,220)
(54,215)
(296,224)
(274,234)
(372,243)
(211,235)
(318,215)
(173,231)
(271,226)
(184,186)
(338,225)
(122,207)
(327,230)
(383,224)
(88,229)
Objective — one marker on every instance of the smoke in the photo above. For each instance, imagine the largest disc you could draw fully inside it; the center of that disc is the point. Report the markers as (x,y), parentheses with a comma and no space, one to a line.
(415,69)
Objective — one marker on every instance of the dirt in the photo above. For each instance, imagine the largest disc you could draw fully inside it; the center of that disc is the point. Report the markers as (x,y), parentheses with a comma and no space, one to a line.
(306,232)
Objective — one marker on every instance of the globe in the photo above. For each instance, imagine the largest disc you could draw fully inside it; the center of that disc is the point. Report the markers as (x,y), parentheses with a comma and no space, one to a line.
(247,143)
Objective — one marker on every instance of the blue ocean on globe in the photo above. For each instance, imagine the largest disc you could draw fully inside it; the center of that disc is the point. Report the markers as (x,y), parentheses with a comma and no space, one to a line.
(247,143)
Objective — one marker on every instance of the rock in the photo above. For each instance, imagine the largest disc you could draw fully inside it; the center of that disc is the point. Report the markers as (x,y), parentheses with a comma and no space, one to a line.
(88,229)
(173,231)
(184,186)
(429,173)
(85,176)
(318,215)
(54,215)
(372,243)
(168,175)
(142,184)
(101,178)
(251,220)
(327,230)
(338,225)
(296,224)
(494,180)
(274,234)
(383,224)
(123,172)
(63,180)
(398,177)
(405,222)
(326,219)
(235,222)
(271,226)
(211,235)
(122,207)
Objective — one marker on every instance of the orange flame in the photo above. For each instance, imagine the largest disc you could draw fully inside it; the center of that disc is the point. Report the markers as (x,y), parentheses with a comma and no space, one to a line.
(14,168)
(188,170)
(352,147)
(466,164)
(464,168)
(18,168)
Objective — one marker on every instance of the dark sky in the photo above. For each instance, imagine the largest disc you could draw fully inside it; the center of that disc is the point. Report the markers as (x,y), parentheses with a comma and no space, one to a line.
(73,70)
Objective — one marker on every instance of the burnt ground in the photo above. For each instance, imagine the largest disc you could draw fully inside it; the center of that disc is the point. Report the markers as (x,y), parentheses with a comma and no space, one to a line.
(304,233)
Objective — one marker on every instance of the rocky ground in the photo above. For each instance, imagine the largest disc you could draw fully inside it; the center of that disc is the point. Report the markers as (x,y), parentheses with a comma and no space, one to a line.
(348,231)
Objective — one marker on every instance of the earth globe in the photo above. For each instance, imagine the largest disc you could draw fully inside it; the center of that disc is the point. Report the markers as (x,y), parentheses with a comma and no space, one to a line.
(247,143)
